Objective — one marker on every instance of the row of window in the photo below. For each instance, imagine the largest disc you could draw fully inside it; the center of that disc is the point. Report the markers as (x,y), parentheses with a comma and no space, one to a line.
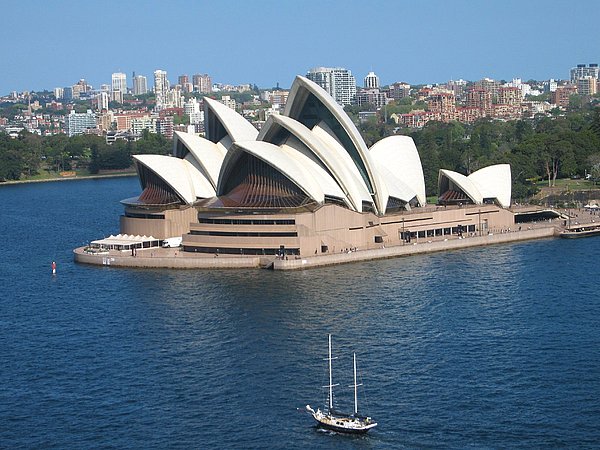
(242,251)
(458,230)
(247,221)
(245,233)
(144,216)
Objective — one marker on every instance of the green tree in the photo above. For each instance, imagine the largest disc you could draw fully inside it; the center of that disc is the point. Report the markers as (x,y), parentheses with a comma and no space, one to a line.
(11,158)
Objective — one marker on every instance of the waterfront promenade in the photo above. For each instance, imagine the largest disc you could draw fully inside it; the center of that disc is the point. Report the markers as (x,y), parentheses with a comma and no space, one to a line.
(177,259)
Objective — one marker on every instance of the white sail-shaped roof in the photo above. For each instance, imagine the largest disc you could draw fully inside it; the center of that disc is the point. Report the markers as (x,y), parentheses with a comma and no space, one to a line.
(494,182)
(314,144)
(398,155)
(207,155)
(238,128)
(277,158)
(352,177)
(331,154)
(463,183)
(297,151)
(299,93)
(180,175)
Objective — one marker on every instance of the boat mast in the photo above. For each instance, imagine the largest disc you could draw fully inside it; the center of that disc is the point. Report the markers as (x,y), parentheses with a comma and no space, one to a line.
(330,378)
(355,388)
(331,385)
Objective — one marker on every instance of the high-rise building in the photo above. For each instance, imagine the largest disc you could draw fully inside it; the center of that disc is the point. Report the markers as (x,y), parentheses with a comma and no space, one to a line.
(582,71)
(550,85)
(140,85)
(371,81)
(443,104)
(116,96)
(371,96)
(102,101)
(562,95)
(508,95)
(119,82)
(58,93)
(161,86)
(399,90)
(184,82)
(587,85)
(337,82)
(277,97)
(480,99)
(489,85)
(83,86)
(229,102)
(164,126)
(78,123)
(192,109)
(68,93)
(78,89)
(202,83)
(458,87)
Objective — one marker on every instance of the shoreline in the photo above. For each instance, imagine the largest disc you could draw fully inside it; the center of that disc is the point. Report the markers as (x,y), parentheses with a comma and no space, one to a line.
(84,177)
(154,258)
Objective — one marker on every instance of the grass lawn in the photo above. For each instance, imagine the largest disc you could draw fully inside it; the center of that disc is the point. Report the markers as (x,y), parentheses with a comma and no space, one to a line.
(570,184)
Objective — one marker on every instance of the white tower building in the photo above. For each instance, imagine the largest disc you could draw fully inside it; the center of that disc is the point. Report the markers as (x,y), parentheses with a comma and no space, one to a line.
(371,81)
(161,86)
(337,82)
(119,82)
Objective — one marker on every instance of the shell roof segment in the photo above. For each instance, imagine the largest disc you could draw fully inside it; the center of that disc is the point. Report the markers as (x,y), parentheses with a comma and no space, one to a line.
(494,182)
(329,152)
(310,104)
(462,182)
(398,156)
(180,175)
(278,159)
(207,155)
(238,128)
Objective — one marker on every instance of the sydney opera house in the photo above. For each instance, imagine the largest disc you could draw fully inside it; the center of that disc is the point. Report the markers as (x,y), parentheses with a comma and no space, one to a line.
(305,184)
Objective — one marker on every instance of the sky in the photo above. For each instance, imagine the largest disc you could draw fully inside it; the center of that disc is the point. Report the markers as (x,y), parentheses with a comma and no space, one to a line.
(46,44)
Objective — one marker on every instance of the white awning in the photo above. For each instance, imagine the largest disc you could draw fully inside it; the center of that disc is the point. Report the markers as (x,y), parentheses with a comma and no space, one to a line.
(126,242)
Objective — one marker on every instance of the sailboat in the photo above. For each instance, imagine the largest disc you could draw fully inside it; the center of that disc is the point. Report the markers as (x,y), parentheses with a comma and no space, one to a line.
(353,423)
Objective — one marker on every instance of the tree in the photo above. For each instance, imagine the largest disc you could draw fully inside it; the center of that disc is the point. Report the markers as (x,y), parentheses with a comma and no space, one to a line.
(11,158)
(31,152)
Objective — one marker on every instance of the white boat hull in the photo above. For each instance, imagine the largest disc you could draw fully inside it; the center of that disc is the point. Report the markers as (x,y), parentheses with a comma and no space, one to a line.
(342,424)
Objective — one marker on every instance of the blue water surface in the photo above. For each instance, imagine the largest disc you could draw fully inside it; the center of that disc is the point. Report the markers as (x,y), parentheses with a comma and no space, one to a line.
(494,347)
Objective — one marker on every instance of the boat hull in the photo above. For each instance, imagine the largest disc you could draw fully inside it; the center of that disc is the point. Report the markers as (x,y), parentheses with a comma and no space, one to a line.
(339,429)
(579,234)
(344,424)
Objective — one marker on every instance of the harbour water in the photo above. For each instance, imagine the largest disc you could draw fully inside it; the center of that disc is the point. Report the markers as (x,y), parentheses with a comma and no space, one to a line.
(495,347)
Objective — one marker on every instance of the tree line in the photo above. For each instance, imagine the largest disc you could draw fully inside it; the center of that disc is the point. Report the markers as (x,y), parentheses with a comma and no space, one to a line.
(566,144)
(29,154)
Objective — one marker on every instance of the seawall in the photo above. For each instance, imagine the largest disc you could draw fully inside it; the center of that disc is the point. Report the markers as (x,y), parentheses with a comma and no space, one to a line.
(147,259)
(174,259)
(413,249)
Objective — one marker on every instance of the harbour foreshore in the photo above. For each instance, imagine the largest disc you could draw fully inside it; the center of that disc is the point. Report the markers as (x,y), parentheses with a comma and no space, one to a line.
(176,259)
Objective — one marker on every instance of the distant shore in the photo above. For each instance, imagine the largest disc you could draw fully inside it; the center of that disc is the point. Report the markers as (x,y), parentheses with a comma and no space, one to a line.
(76,177)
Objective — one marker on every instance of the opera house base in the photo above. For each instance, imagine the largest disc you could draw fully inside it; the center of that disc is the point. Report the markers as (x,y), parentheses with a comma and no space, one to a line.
(175,259)
(413,249)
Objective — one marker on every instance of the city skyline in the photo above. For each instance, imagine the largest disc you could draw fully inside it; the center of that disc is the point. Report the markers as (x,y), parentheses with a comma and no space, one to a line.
(269,42)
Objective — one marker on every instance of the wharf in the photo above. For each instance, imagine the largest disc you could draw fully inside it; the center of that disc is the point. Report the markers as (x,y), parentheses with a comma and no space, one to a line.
(176,259)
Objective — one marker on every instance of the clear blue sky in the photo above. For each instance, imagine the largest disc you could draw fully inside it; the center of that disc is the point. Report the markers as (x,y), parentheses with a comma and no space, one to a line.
(51,43)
